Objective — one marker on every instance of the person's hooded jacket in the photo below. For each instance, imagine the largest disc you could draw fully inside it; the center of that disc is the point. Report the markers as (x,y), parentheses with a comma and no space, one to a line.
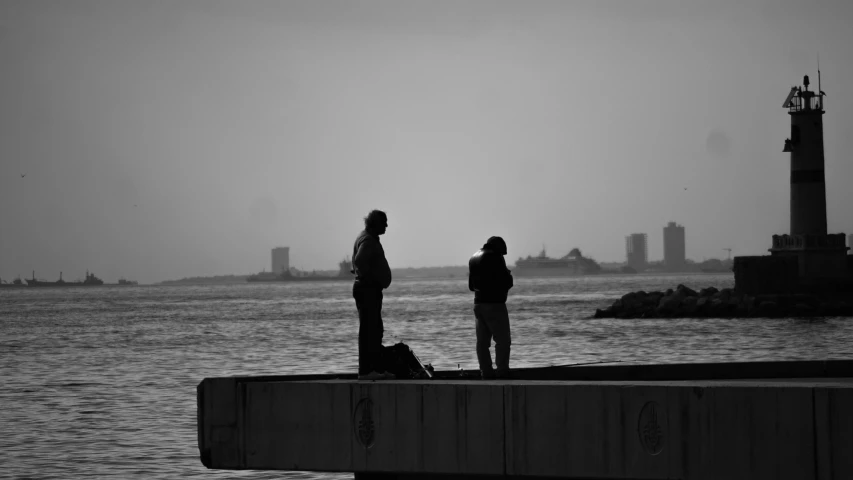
(488,276)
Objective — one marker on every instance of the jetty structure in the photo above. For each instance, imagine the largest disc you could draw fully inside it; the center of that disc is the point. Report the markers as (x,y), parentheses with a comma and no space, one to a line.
(807,259)
(753,420)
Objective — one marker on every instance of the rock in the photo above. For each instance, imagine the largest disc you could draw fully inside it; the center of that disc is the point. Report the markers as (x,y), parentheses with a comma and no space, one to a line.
(654,298)
(717,308)
(810,300)
(767,309)
(734,308)
(707,292)
(651,300)
(803,310)
(631,301)
(616,307)
(827,309)
(685,291)
(669,304)
(725,303)
(759,299)
(749,305)
(689,304)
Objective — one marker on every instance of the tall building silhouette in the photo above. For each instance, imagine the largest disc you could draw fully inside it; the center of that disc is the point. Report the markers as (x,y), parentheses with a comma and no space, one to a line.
(637,251)
(673,247)
(280,259)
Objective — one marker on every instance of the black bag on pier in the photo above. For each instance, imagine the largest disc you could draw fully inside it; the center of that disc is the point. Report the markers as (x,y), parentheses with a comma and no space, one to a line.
(400,360)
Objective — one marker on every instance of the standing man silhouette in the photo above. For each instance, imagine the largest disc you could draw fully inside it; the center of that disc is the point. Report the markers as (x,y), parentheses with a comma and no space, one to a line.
(372,275)
(490,281)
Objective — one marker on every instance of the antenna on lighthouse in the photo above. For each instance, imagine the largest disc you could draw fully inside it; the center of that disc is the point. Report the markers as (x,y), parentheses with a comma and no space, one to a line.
(819,90)
(818,76)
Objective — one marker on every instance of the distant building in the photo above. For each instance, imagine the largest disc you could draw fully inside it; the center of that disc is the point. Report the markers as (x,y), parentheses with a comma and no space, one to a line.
(673,247)
(850,243)
(637,251)
(280,259)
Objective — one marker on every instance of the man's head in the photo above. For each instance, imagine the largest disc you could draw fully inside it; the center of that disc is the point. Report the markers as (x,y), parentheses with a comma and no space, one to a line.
(376,222)
(495,244)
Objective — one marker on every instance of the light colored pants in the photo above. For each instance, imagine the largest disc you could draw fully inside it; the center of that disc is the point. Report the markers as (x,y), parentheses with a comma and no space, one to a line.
(492,321)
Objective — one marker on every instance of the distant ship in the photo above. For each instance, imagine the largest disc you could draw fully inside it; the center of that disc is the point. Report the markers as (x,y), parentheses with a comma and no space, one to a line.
(124,281)
(344,273)
(90,281)
(572,264)
(15,283)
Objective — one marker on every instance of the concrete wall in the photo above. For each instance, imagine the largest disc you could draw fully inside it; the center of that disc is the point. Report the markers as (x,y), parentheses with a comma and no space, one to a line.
(766,274)
(823,267)
(818,271)
(609,430)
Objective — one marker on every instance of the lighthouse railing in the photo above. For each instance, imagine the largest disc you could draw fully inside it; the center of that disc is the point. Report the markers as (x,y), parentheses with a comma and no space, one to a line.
(799,103)
(832,241)
(816,102)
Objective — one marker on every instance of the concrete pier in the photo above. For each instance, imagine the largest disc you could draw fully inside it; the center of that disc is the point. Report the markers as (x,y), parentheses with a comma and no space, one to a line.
(662,428)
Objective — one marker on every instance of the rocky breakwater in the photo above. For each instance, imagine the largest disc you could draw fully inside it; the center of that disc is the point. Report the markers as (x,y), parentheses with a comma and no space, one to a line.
(684,302)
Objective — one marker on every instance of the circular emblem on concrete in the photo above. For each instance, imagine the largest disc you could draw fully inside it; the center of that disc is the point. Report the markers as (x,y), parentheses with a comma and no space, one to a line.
(363,424)
(651,428)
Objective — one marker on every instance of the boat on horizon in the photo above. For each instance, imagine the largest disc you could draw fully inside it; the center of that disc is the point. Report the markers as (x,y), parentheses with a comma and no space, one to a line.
(570,265)
(344,273)
(16,282)
(90,281)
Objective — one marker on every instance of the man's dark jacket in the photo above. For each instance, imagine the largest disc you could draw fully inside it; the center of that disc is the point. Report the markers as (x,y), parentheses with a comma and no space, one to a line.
(369,264)
(488,277)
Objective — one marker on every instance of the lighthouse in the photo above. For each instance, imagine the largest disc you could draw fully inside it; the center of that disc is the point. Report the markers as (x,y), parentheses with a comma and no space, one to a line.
(808,186)
(807,258)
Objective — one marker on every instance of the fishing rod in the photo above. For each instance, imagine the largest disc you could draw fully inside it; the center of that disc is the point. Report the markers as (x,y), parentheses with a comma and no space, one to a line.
(585,363)
(461,372)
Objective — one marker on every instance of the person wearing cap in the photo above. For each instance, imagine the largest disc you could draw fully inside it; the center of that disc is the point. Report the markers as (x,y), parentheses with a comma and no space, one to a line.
(490,281)
(372,275)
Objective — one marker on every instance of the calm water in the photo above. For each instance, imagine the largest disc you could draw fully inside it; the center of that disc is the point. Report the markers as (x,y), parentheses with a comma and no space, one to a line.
(100,382)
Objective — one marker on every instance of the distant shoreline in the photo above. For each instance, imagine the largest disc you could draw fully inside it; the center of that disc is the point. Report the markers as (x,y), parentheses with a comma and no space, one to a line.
(408,272)
(415,273)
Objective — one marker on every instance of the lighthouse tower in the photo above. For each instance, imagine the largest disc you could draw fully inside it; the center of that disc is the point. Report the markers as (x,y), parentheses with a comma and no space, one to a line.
(808,187)
(820,258)
(808,259)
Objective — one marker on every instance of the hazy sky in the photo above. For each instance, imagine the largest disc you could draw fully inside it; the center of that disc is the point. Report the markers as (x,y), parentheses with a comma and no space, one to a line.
(171,138)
